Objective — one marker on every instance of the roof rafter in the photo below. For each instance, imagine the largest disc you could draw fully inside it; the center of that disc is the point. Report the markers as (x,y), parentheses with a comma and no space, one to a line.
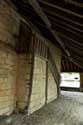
(57,15)
(40,12)
(57,22)
(74,2)
(62,9)
(66,24)
(62,34)
(62,17)
(78,44)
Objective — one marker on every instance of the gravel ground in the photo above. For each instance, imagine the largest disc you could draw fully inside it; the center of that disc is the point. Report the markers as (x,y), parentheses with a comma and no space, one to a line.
(67,110)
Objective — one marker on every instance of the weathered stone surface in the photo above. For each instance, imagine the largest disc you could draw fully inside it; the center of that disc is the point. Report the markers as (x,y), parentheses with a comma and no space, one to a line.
(8,65)
(38,86)
(38,95)
(52,87)
(15,70)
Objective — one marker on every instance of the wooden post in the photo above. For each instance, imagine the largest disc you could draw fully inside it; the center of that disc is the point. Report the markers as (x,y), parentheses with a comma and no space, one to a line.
(46,88)
(32,69)
(81,82)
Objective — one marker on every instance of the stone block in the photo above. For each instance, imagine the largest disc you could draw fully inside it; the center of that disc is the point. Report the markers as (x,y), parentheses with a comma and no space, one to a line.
(7,79)
(38,86)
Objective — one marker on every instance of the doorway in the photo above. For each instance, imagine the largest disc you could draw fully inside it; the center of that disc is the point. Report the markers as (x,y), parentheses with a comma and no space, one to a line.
(70,81)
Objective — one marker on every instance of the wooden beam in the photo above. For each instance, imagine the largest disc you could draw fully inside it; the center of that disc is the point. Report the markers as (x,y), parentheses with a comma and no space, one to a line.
(71,65)
(76,57)
(39,11)
(77,62)
(46,87)
(54,25)
(74,3)
(61,26)
(64,65)
(62,9)
(60,20)
(45,26)
(62,17)
(76,51)
(44,18)
(57,15)
(74,60)
(63,35)
(74,34)
(32,71)
(67,65)
(71,39)
(65,24)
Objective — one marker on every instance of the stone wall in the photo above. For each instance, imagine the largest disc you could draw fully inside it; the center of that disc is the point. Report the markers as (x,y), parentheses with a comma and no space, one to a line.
(38,86)
(43,92)
(8,66)
(16,70)
(52,87)
(9,28)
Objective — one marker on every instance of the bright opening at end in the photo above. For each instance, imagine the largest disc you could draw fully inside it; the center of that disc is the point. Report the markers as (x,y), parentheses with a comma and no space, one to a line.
(70,80)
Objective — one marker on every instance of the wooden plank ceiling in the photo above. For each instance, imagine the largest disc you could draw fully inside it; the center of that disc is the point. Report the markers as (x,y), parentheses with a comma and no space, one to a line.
(60,21)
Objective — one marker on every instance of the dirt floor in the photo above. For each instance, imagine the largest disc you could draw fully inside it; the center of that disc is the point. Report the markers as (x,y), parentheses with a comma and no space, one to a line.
(67,110)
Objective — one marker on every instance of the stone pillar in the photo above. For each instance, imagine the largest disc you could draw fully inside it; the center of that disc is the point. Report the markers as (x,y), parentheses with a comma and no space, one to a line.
(9,26)
(81,82)
(23,83)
